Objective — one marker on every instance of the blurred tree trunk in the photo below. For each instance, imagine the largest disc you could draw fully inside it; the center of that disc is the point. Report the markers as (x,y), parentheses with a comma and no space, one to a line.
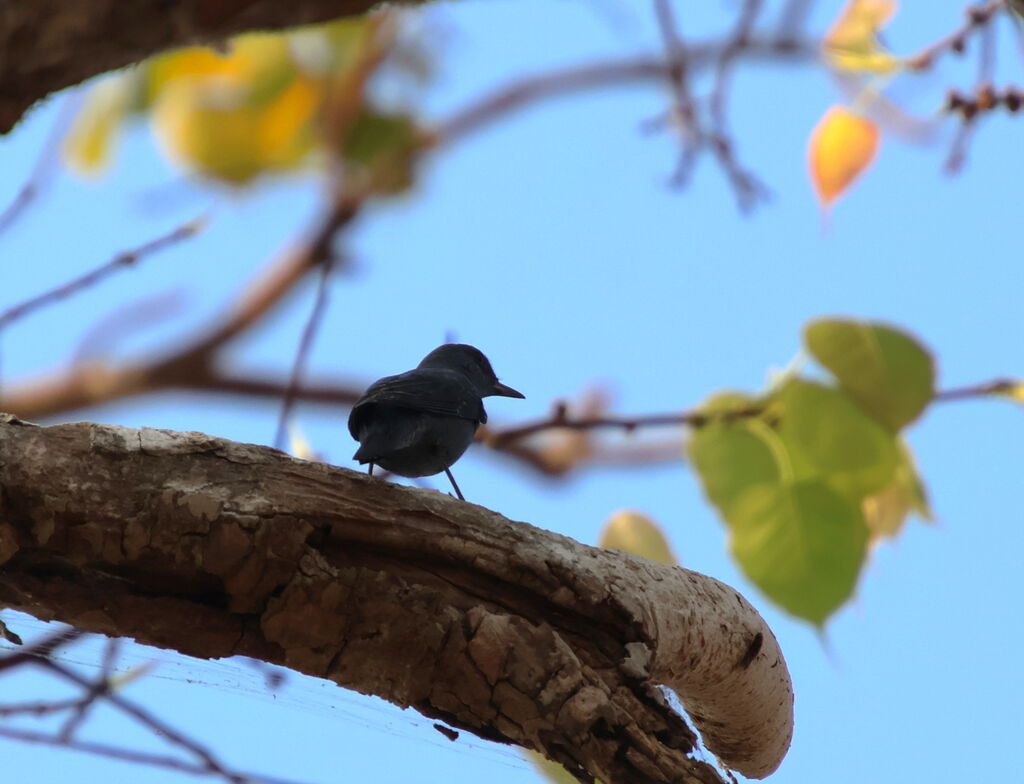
(48,45)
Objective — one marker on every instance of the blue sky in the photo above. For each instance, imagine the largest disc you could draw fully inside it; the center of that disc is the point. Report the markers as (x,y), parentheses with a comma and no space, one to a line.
(551,241)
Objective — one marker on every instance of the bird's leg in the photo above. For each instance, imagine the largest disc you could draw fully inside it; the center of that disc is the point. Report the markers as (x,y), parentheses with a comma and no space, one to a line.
(457,491)
(369,471)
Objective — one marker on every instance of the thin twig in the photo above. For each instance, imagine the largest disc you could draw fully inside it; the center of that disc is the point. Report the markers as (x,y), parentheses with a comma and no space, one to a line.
(684,113)
(45,165)
(975,16)
(39,650)
(39,709)
(121,260)
(560,420)
(749,190)
(302,354)
(531,90)
(793,19)
(130,755)
(96,689)
(148,720)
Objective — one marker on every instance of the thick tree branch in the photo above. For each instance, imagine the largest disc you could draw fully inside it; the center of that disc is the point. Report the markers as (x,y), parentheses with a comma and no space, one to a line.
(48,45)
(513,633)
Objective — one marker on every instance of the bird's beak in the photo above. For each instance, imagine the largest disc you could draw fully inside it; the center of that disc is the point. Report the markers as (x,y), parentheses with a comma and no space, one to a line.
(505,391)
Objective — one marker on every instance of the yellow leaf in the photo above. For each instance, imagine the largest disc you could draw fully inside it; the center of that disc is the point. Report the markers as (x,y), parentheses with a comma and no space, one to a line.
(87,146)
(842,146)
(299,444)
(852,44)
(217,141)
(634,532)
(285,125)
(885,512)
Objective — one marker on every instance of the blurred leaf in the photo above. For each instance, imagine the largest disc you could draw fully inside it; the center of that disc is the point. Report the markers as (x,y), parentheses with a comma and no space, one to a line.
(887,511)
(840,444)
(852,44)
(842,147)
(552,771)
(299,445)
(801,543)
(887,372)
(633,532)
(120,680)
(259,107)
(383,146)
(88,144)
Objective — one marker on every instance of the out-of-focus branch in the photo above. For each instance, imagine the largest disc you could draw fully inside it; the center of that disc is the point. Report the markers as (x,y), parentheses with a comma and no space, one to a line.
(44,167)
(975,18)
(120,261)
(194,365)
(683,116)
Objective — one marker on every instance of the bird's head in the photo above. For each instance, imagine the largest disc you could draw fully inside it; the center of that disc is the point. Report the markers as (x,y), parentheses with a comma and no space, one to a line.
(472,363)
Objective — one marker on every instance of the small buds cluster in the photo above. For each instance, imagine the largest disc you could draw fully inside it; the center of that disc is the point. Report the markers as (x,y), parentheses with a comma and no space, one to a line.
(985,98)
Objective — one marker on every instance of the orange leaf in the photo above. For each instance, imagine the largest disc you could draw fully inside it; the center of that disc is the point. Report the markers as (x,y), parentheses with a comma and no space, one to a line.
(842,146)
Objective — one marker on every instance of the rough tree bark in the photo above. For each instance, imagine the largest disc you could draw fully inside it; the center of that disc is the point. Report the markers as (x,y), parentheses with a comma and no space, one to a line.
(48,45)
(516,634)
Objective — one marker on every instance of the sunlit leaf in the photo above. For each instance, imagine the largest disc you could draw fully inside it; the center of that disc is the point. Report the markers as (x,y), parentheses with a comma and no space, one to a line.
(842,147)
(88,145)
(886,512)
(120,680)
(852,44)
(299,445)
(633,532)
(839,443)
(887,372)
(730,457)
(262,104)
(801,543)
(550,771)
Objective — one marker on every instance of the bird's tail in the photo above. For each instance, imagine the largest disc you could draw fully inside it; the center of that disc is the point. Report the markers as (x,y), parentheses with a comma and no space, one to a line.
(364,454)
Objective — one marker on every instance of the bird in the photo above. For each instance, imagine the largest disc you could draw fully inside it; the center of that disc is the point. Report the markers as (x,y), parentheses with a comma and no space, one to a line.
(420,422)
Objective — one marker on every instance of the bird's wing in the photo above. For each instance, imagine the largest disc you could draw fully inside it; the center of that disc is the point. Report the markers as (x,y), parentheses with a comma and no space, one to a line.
(433,390)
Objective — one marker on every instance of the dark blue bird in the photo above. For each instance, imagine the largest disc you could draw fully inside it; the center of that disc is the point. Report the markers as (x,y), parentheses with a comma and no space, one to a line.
(420,422)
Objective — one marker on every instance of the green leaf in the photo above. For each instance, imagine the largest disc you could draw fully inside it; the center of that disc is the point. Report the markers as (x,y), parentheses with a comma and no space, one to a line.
(837,442)
(552,771)
(801,543)
(384,145)
(887,372)
(729,457)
